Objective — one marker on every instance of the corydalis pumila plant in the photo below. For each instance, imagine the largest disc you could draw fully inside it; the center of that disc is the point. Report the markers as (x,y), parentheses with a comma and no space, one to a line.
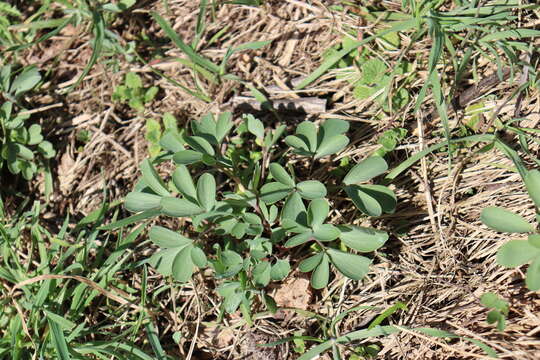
(247,209)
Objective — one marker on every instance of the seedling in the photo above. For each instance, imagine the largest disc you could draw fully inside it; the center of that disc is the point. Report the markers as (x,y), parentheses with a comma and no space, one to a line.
(500,309)
(134,93)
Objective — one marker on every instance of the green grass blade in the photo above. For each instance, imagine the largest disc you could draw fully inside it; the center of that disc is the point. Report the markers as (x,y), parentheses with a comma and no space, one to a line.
(59,341)
(196,58)
(509,34)
(332,60)
(131,219)
(153,338)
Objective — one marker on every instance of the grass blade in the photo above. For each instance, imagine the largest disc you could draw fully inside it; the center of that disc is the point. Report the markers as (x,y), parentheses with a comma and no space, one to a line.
(59,341)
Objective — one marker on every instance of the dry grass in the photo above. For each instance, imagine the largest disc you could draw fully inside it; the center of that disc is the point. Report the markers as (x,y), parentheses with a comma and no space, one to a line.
(439,262)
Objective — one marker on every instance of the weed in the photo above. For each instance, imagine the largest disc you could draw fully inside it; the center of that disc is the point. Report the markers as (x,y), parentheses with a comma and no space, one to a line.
(499,312)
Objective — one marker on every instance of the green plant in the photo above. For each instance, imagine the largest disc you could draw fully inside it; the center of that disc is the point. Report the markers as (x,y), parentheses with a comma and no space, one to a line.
(500,309)
(516,253)
(133,92)
(246,211)
(154,134)
(23,148)
(7,12)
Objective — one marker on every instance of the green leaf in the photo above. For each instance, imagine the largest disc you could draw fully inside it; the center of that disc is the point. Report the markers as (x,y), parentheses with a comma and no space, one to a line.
(516,253)
(59,341)
(25,81)
(332,127)
(311,189)
(206,128)
(281,175)
(186,157)
(280,270)
(533,275)
(152,179)
(363,201)
(140,201)
(184,182)
(307,131)
(310,263)
(361,238)
(509,34)
(182,267)
(274,191)
(224,125)
(321,274)
(299,239)
(318,210)
(504,221)
(46,149)
(166,238)
(366,170)
(270,304)
(352,266)
(373,70)
(261,273)
(325,232)
(172,206)
(384,196)
(34,134)
(198,257)
(534,240)
(294,209)
(200,144)
(298,144)
(255,126)
(532,182)
(331,146)
(206,191)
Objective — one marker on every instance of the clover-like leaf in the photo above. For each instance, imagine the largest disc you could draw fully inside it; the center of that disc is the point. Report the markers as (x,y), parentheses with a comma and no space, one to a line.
(311,189)
(333,127)
(182,267)
(505,221)
(364,202)
(261,273)
(139,201)
(366,170)
(186,157)
(307,131)
(280,270)
(224,125)
(166,238)
(298,144)
(200,144)
(310,263)
(184,182)
(152,179)
(299,239)
(516,253)
(294,209)
(198,257)
(361,238)
(176,207)
(352,266)
(318,210)
(532,183)
(321,274)
(274,191)
(533,275)
(534,240)
(331,146)
(281,175)
(255,126)
(325,232)
(206,191)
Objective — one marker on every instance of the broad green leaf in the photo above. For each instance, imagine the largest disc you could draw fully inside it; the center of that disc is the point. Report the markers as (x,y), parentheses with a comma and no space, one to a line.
(331,146)
(311,189)
(352,266)
(133,80)
(281,175)
(198,257)
(152,179)
(366,170)
(172,206)
(200,144)
(307,131)
(363,201)
(163,260)
(25,81)
(534,240)
(274,191)
(166,238)
(373,70)
(206,127)
(46,148)
(140,201)
(280,270)
(297,143)
(230,258)
(224,125)
(325,232)
(383,195)
(261,273)
(206,191)
(170,141)
(321,274)
(299,239)
(294,209)
(332,127)
(532,182)
(186,157)
(504,221)
(361,238)
(34,134)
(184,182)
(318,210)
(310,263)
(516,253)
(270,303)
(255,126)
(182,267)
(533,275)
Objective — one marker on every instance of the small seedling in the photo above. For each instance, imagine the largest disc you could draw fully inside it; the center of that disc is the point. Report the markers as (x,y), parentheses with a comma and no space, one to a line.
(134,93)
(500,309)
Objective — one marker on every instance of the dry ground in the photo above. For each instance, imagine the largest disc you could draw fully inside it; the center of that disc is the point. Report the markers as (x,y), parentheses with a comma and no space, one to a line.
(440,258)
